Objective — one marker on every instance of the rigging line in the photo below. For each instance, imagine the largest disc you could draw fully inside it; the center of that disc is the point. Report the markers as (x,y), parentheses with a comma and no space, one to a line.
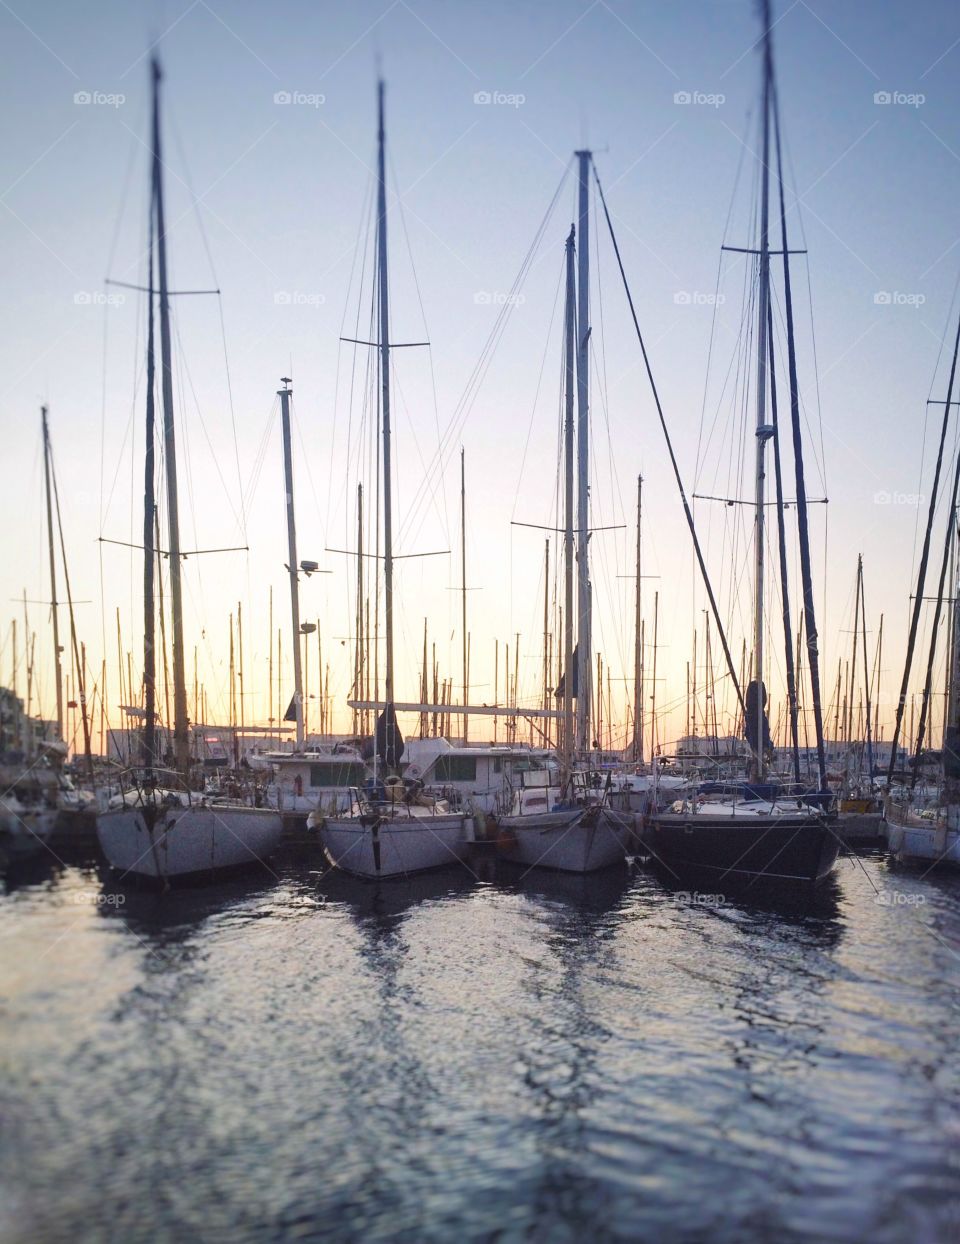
(809,608)
(921,574)
(741,158)
(617,599)
(464,405)
(185,376)
(233,415)
(304,456)
(673,460)
(927,413)
(256,470)
(361,252)
(602,556)
(426,333)
(195,206)
(536,396)
(134,147)
(432,485)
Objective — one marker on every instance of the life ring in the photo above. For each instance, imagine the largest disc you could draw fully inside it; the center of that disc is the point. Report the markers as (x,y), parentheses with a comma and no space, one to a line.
(413,771)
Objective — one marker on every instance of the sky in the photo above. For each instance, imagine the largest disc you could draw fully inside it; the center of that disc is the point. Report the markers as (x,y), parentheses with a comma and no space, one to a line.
(270,126)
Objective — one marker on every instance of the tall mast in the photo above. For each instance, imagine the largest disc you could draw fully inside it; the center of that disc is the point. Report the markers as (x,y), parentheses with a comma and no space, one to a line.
(382,283)
(866,672)
(638,643)
(463,583)
(359,714)
(763,430)
(53,572)
(292,563)
(568,556)
(181,738)
(149,516)
(951,724)
(584,641)
(806,571)
(546,631)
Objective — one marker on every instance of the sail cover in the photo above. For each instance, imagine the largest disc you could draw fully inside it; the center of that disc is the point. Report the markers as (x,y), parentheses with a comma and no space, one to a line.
(389,739)
(561,686)
(756,700)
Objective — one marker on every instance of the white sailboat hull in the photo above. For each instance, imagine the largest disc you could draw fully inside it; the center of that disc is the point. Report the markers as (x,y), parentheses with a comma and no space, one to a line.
(932,843)
(199,839)
(577,840)
(394,846)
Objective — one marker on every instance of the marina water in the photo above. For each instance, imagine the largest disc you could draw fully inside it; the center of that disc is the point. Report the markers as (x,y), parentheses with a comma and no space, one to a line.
(302,1056)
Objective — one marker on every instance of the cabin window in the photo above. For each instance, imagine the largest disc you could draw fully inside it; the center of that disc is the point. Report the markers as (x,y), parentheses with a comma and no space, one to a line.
(498,764)
(344,774)
(456,769)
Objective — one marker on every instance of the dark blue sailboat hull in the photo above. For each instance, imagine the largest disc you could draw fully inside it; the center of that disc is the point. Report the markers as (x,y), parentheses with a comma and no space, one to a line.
(733,852)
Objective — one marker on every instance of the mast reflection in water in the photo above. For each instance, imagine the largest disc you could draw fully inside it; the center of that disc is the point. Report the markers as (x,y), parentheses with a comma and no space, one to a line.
(542,1057)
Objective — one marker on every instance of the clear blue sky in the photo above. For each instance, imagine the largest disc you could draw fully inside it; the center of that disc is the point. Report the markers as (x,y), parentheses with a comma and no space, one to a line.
(282,189)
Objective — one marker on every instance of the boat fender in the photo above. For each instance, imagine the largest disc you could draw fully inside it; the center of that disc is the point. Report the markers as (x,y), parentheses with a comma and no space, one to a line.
(298,785)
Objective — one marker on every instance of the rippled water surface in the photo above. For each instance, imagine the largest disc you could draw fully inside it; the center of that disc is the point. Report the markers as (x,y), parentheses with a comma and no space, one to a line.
(310,1057)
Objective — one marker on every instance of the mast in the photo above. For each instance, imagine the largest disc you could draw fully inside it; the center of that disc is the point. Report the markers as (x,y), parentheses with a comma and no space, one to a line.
(638,644)
(382,282)
(149,513)
(568,556)
(53,572)
(763,430)
(358,714)
(809,607)
(951,722)
(284,395)
(181,722)
(546,630)
(866,672)
(653,692)
(79,654)
(463,586)
(584,639)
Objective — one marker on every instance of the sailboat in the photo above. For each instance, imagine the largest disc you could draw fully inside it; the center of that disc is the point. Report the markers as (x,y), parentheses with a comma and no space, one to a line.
(572,826)
(159,828)
(933,839)
(391,830)
(29,785)
(761,830)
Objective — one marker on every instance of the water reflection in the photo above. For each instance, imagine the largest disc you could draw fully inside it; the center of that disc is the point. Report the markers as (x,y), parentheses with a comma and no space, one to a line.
(484,1056)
